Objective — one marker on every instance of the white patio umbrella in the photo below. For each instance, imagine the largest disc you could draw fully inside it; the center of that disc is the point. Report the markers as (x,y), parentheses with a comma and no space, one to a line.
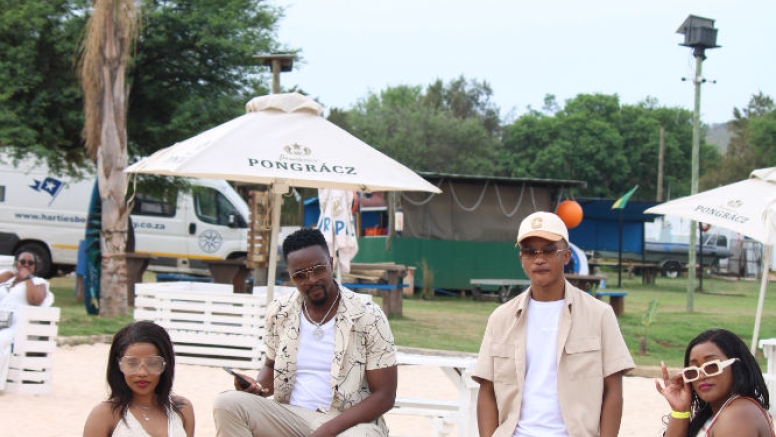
(336,224)
(747,207)
(283,141)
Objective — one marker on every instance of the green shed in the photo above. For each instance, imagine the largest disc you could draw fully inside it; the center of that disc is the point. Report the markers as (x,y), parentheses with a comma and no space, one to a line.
(468,231)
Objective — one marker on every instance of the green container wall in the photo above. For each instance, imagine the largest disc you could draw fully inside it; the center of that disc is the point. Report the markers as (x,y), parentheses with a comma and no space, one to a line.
(453,263)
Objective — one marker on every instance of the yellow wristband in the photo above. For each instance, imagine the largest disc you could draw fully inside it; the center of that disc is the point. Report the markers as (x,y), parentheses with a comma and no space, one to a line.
(680,414)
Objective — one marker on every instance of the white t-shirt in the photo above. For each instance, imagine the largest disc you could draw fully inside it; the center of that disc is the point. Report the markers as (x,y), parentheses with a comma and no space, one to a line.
(312,389)
(540,411)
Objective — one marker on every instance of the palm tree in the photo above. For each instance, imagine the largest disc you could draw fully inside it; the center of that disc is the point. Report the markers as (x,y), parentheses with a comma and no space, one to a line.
(110,33)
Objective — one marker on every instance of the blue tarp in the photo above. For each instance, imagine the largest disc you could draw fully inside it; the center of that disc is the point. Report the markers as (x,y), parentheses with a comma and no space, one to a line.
(600,225)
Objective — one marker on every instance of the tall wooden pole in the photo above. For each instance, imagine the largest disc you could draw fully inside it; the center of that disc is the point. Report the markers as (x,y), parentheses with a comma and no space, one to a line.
(696,145)
(660,157)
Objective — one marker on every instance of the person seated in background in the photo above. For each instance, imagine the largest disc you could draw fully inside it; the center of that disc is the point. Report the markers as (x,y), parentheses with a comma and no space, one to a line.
(330,364)
(19,287)
(720,392)
(141,370)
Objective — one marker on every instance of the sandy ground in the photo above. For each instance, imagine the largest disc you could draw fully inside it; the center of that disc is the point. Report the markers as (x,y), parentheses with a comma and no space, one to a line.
(79,384)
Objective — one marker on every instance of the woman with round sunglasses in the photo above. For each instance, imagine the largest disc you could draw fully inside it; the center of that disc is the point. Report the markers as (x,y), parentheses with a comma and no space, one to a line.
(141,369)
(719,392)
(19,288)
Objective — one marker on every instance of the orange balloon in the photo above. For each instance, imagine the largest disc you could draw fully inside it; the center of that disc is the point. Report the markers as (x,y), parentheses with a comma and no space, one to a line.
(570,212)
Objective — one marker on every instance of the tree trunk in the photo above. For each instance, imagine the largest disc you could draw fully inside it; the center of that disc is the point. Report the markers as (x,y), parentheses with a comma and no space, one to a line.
(111,161)
(109,35)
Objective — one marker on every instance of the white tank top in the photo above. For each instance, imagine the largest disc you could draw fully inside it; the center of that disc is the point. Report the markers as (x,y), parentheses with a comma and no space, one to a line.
(131,427)
(312,389)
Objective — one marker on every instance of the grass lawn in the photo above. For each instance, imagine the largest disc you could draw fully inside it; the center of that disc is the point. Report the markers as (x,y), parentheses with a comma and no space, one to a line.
(456,324)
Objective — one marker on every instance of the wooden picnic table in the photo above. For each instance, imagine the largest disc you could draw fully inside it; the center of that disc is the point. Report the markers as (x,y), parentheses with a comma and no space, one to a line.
(649,271)
(230,271)
(586,282)
(391,273)
(137,263)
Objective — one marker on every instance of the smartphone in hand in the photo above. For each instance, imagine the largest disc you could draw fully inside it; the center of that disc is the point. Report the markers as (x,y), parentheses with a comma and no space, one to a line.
(244,383)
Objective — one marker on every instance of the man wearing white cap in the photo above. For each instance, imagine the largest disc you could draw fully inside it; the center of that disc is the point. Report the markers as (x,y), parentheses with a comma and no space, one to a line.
(552,359)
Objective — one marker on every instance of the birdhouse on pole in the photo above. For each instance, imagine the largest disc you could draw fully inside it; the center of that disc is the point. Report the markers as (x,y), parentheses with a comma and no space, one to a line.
(699,33)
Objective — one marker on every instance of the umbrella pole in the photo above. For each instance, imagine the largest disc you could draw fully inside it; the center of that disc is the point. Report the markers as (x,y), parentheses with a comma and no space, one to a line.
(767,248)
(277,191)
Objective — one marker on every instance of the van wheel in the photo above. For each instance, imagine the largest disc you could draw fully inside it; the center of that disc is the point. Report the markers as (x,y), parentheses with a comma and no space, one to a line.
(43,268)
(671,269)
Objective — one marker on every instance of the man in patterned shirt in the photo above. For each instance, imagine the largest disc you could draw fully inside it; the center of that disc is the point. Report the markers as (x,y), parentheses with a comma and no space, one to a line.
(330,364)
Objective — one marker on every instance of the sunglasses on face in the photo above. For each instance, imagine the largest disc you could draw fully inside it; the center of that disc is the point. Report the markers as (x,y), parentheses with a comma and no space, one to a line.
(710,368)
(317,271)
(26,262)
(530,253)
(130,365)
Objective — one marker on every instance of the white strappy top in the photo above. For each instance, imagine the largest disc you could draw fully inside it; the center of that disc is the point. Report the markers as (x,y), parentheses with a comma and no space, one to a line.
(131,427)
(704,431)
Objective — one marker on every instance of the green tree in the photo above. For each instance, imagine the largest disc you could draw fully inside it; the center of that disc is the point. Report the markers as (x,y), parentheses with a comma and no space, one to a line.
(580,142)
(448,128)
(751,145)
(763,135)
(192,67)
(610,146)
(40,101)
(465,99)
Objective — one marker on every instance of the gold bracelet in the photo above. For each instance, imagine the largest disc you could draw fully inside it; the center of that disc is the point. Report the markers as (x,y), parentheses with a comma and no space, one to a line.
(680,414)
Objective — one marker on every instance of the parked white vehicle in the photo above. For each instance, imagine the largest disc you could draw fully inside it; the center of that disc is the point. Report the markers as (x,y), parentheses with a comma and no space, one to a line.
(728,252)
(46,213)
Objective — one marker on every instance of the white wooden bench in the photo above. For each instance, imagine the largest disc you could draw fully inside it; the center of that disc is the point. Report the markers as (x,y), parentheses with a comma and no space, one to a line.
(768,345)
(443,414)
(208,324)
(31,363)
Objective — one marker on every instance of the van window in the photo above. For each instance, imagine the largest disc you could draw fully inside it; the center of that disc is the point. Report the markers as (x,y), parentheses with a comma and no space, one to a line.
(212,207)
(147,205)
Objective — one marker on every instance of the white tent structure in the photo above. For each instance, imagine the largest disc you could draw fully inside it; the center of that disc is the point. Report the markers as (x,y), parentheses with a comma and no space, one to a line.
(747,207)
(283,141)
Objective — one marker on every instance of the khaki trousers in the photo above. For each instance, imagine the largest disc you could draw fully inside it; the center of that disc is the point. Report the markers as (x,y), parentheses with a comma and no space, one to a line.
(239,414)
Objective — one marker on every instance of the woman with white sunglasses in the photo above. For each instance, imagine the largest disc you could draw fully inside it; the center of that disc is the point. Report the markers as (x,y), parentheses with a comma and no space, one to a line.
(140,374)
(719,392)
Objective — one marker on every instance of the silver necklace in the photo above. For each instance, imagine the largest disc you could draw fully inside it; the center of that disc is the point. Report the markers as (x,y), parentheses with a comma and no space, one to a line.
(318,332)
(145,410)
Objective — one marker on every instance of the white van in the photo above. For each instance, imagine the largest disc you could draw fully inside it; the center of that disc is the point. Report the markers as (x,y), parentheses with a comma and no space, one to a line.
(46,214)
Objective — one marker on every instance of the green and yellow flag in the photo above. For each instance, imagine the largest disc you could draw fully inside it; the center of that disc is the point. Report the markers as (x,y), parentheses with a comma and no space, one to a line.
(622,201)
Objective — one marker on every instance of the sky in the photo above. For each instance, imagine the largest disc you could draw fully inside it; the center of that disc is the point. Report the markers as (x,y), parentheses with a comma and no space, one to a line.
(528,49)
